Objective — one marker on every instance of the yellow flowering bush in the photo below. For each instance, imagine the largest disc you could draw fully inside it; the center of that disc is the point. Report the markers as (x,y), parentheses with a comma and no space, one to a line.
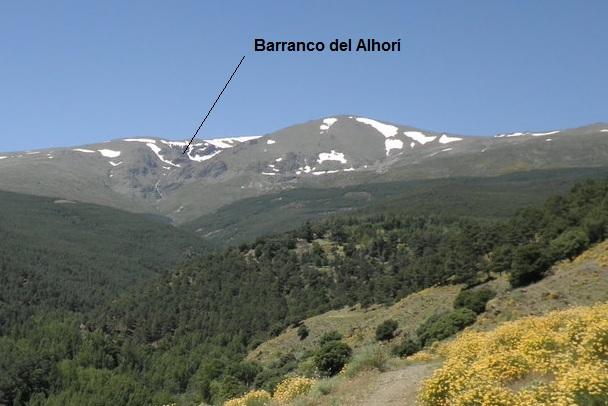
(253,398)
(290,388)
(557,359)
(421,356)
(286,391)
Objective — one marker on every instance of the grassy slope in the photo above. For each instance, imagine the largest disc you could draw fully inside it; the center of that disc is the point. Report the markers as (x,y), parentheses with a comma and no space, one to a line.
(581,282)
(358,325)
(488,197)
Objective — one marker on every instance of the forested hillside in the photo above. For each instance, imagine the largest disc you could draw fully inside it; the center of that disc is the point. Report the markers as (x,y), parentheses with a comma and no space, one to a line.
(69,256)
(493,197)
(184,336)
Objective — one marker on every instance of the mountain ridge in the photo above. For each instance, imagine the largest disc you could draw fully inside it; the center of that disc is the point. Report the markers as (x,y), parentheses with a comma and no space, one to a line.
(151,174)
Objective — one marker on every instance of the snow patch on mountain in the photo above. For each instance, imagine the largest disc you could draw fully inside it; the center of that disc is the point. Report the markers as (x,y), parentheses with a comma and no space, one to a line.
(392,143)
(605,130)
(385,129)
(201,158)
(144,140)
(444,139)
(419,137)
(271,166)
(86,151)
(174,143)
(270,142)
(520,134)
(221,143)
(517,134)
(327,122)
(115,163)
(541,134)
(331,156)
(230,142)
(389,131)
(156,149)
(3,157)
(304,169)
(317,173)
(108,153)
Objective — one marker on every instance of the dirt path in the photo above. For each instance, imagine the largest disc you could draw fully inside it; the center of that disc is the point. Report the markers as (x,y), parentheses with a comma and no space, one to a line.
(398,387)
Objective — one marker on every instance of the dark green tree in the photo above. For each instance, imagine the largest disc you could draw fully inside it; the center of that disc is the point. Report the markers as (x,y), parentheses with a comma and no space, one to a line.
(386,330)
(302,331)
(331,357)
(444,325)
(329,337)
(530,262)
(474,299)
(406,347)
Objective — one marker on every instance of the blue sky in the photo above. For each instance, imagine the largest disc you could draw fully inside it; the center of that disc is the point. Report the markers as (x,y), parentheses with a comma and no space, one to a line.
(77,72)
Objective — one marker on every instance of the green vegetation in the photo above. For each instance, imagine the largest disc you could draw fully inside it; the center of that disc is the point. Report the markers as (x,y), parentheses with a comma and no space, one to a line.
(444,325)
(75,256)
(331,357)
(329,337)
(371,358)
(386,330)
(496,197)
(302,331)
(474,299)
(182,336)
(406,347)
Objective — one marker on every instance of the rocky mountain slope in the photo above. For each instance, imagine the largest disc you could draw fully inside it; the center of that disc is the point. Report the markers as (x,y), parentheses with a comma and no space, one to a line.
(153,175)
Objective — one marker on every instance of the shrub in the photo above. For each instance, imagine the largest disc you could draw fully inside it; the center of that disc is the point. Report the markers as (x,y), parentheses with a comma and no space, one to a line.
(371,358)
(444,325)
(307,366)
(291,388)
(253,398)
(596,225)
(329,337)
(474,300)
(268,379)
(561,357)
(331,357)
(386,330)
(570,243)
(245,371)
(302,331)
(325,386)
(500,259)
(226,388)
(529,264)
(406,347)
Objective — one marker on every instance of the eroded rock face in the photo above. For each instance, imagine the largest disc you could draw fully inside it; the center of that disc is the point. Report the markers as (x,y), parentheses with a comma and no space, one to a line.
(214,170)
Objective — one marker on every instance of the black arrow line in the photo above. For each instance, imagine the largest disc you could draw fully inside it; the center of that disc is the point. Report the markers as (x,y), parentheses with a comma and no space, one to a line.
(214,103)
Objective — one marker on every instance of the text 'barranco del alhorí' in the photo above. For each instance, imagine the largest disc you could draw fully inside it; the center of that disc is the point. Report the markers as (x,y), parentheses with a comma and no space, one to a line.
(337,45)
